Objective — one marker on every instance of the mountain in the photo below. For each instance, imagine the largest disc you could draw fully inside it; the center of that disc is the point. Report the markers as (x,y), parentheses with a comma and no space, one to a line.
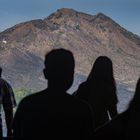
(23,46)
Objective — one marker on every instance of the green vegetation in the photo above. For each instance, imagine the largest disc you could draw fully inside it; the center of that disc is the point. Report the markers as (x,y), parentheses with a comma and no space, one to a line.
(21,93)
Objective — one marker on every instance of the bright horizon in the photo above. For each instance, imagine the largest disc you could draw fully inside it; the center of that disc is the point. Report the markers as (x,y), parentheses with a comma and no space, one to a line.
(124,12)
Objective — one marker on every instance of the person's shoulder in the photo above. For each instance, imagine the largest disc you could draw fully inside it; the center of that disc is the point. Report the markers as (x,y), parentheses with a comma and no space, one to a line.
(81,103)
(32,97)
(75,99)
(83,85)
(3,82)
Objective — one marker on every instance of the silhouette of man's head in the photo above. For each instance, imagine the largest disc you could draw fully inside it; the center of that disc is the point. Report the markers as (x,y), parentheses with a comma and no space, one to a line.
(0,71)
(59,69)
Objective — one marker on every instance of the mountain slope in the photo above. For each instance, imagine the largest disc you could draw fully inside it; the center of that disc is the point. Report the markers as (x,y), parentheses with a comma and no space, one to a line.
(22,47)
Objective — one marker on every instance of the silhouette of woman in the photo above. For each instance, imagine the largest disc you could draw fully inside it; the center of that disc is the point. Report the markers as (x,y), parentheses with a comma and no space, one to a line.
(99,90)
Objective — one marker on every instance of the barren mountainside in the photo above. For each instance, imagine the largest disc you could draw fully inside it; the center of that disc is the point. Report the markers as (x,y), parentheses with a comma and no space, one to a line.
(23,46)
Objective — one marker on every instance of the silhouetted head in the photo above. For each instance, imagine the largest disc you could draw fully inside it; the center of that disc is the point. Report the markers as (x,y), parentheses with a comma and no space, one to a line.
(59,69)
(102,69)
(0,71)
(101,76)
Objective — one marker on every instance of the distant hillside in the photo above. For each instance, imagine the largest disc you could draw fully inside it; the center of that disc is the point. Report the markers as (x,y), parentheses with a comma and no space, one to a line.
(22,47)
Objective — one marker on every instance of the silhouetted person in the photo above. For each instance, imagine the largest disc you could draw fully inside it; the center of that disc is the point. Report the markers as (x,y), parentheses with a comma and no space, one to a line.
(99,90)
(52,113)
(7,100)
(133,116)
(126,125)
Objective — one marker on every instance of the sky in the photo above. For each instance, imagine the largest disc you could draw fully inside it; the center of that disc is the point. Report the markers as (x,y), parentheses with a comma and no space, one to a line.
(124,12)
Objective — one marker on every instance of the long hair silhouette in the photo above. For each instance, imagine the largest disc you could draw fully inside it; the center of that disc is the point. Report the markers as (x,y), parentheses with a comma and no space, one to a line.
(99,90)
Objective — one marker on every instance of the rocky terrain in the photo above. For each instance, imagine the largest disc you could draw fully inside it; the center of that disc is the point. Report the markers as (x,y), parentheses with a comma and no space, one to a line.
(23,46)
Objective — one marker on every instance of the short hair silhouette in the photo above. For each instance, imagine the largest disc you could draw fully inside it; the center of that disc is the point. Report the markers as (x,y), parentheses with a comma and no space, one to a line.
(59,68)
(53,113)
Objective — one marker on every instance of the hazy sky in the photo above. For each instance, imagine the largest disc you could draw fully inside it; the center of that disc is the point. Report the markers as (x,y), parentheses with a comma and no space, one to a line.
(124,12)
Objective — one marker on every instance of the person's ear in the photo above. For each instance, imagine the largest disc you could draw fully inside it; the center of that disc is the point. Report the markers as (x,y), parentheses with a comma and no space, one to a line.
(45,73)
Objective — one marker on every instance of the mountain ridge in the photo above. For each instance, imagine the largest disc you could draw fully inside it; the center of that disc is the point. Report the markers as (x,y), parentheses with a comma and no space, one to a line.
(87,36)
